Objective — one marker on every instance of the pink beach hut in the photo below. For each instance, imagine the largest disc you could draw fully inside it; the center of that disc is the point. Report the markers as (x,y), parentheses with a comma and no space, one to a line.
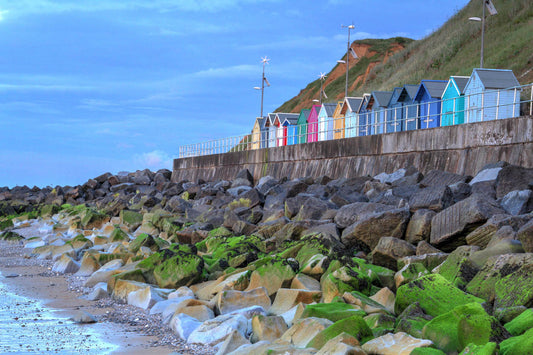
(312,124)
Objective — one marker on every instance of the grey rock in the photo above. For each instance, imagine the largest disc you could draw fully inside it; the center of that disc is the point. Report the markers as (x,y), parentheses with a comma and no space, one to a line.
(490,174)
(83,317)
(351,213)
(450,226)
(511,178)
(460,191)
(525,235)
(517,202)
(389,250)
(435,198)
(419,227)
(441,178)
(482,235)
(236,191)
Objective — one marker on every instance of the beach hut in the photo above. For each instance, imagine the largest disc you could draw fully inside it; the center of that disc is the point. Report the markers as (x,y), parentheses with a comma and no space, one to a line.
(365,116)
(429,97)
(264,132)
(453,101)
(288,126)
(378,103)
(256,133)
(312,124)
(272,130)
(350,111)
(410,107)
(492,94)
(395,120)
(325,121)
(302,125)
(338,121)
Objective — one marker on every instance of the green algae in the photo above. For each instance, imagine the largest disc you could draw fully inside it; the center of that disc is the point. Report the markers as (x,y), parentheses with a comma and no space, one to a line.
(354,326)
(522,344)
(332,311)
(521,323)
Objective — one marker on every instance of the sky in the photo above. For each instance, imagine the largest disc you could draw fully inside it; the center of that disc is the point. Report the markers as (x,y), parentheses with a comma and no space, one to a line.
(95,86)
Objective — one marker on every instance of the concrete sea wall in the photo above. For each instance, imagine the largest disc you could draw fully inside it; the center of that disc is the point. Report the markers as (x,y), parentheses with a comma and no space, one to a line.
(462,149)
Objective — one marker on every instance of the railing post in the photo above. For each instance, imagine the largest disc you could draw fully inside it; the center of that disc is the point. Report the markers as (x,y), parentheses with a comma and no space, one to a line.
(482,106)
(531,102)
(514,103)
(498,105)
(468,109)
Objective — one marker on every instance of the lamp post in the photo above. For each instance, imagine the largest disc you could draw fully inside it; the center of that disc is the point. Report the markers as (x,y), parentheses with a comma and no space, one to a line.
(349,27)
(492,10)
(264,80)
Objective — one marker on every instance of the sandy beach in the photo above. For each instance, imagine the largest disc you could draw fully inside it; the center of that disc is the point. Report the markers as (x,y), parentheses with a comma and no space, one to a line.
(120,328)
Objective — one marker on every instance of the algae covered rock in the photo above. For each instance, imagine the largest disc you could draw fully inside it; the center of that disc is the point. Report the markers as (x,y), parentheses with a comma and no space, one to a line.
(146,240)
(272,273)
(521,323)
(435,294)
(486,349)
(354,326)
(412,320)
(469,323)
(10,236)
(345,279)
(522,344)
(515,289)
(173,267)
(332,311)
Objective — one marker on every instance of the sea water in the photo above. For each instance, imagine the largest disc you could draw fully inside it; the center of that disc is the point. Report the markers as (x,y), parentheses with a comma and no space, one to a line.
(28,327)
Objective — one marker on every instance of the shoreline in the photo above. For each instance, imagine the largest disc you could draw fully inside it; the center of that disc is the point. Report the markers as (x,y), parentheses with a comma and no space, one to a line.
(129,329)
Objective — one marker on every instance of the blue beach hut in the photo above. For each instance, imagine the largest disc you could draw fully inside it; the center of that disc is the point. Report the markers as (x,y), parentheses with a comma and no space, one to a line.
(395,120)
(453,101)
(272,130)
(378,103)
(325,121)
(365,117)
(289,122)
(429,97)
(350,110)
(410,107)
(492,94)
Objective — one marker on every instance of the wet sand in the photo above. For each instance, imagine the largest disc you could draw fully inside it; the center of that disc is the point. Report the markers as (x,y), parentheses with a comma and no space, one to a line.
(119,330)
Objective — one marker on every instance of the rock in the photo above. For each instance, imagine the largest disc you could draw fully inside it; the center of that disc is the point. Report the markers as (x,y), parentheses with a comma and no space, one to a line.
(412,320)
(312,208)
(435,198)
(505,246)
(362,301)
(342,344)
(233,341)
(389,250)
(517,202)
(429,261)
(518,344)
(424,247)
(83,317)
(131,219)
(525,236)
(287,298)
(395,344)
(344,279)
(333,311)
(273,274)
(434,293)
(351,213)
(104,273)
(66,265)
(465,324)
(515,289)
(495,269)
(147,297)
(521,323)
(268,328)
(173,267)
(304,330)
(441,178)
(460,191)
(386,298)
(304,282)
(380,323)
(482,235)
(450,226)
(99,291)
(458,268)
(490,174)
(183,325)
(354,326)
(511,178)
(489,348)
(410,272)
(214,331)
(369,228)
(419,227)
(390,178)
(231,300)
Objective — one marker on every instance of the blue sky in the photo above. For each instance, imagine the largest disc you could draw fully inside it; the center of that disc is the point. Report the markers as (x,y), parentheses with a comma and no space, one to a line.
(90,86)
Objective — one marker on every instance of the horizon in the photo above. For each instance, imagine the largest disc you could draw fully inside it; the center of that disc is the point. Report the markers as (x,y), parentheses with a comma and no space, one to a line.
(110,86)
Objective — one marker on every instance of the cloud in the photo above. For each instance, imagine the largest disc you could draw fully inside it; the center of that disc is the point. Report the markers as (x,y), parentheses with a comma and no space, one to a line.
(153,160)
(242,70)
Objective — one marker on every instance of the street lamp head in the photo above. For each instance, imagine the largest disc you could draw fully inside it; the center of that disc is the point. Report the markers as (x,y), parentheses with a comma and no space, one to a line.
(478,19)
(257,88)
(341,61)
(351,27)
(315,100)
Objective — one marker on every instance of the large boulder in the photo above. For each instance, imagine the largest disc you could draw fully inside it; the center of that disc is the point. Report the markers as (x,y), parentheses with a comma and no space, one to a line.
(441,178)
(450,226)
(354,326)
(434,293)
(389,250)
(395,344)
(232,300)
(517,202)
(511,178)
(419,227)
(435,198)
(368,228)
(525,235)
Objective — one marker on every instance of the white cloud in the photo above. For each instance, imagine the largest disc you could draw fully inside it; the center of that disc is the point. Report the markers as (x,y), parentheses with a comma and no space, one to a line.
(153,160)
(242,70)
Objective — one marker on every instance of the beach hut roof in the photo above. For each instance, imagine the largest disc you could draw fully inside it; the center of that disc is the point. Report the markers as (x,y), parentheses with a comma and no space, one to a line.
(496,78)
(261,121)
(460,82)
(330,108)
(435,88)
(352,103)
(382,98)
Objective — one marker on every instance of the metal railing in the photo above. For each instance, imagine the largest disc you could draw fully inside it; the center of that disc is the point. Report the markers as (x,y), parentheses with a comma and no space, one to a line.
(484,106)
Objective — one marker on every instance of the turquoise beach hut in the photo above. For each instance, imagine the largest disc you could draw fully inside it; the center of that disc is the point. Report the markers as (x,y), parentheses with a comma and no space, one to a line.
(453,101)
(302,125)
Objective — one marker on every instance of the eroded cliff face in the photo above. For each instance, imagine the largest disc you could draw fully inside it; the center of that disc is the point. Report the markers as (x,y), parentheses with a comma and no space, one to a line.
(369,57)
